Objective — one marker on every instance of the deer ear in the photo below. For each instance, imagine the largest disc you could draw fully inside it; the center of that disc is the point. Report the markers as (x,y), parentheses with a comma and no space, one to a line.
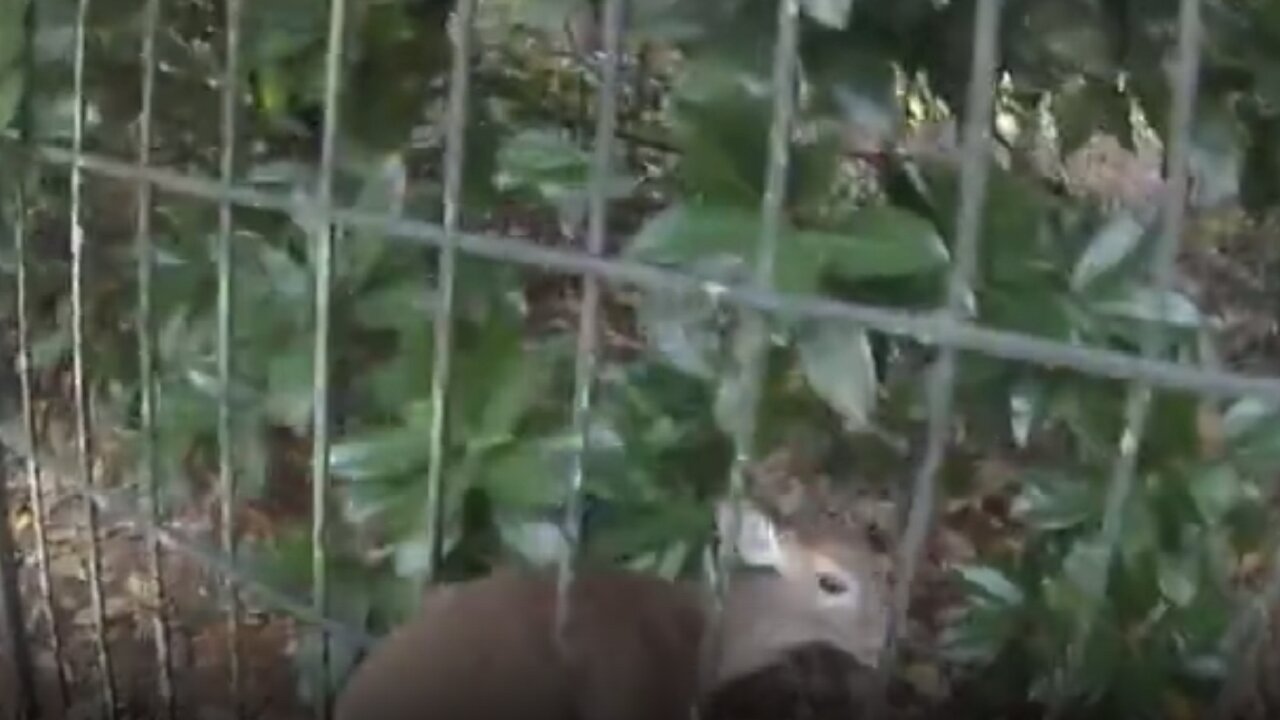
(756,540)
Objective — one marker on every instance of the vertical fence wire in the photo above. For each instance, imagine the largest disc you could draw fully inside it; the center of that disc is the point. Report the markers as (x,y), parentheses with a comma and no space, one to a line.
(146,360)
(940,390)
(35,484)
(442,360)
(587,352)
(323,266)
(751,341)
(1139,396)
(226,468)
(84,461)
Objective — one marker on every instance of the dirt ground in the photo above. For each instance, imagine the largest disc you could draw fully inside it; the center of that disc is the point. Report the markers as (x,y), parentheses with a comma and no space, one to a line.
(197,619)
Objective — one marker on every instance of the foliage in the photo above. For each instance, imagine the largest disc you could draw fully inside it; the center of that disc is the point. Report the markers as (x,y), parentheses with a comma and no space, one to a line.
(1052,266)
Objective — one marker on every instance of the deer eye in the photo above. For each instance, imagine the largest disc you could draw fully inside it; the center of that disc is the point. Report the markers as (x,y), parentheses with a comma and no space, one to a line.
(832,584)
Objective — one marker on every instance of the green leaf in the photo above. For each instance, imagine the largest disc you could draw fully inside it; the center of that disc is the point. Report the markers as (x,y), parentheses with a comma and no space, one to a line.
(640,529)
(1252,430)
(524,476)
(537,542)
(832,13)
(412,557)
(838,364)
(1216,154)
(548,15)
(1145,304)
(885,242)
(857,82)
(392,307)
(735,402)
(877,242)
(381,453)
(51,348)
(1014,248)
(683,234)
(359,250)
(1050,501)
(1216,491)
(289,278)
(397,503)
(1260,177)
(1085,569)
(723,136)
(686,329)
(518,385)
(12,86)
(993,584)
(1179,576)
(553,168)
(978,636)
(1109,248)
(290,385)
(537,156)
(278,30)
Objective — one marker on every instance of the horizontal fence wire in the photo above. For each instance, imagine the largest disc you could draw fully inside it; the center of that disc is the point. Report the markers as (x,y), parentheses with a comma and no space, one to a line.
(930,328)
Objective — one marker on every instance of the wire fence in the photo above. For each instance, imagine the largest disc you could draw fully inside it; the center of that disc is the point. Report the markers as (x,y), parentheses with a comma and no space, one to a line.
(947,327)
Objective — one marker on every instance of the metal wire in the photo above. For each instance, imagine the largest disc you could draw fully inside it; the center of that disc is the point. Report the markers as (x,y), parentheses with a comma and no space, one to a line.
(146,359)
(226,300)
(83,439)
(1138,401)
(930,328)
(323,265)
(35,486)
(587,354)
(32,468)
(751,348)
(442,360)
(941,381)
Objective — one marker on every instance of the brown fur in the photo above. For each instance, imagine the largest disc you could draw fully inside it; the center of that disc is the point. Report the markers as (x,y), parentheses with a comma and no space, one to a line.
(637,647)
(484,650)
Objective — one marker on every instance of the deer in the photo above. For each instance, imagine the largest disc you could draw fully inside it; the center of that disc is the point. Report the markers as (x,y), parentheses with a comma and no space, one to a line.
(635,646)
